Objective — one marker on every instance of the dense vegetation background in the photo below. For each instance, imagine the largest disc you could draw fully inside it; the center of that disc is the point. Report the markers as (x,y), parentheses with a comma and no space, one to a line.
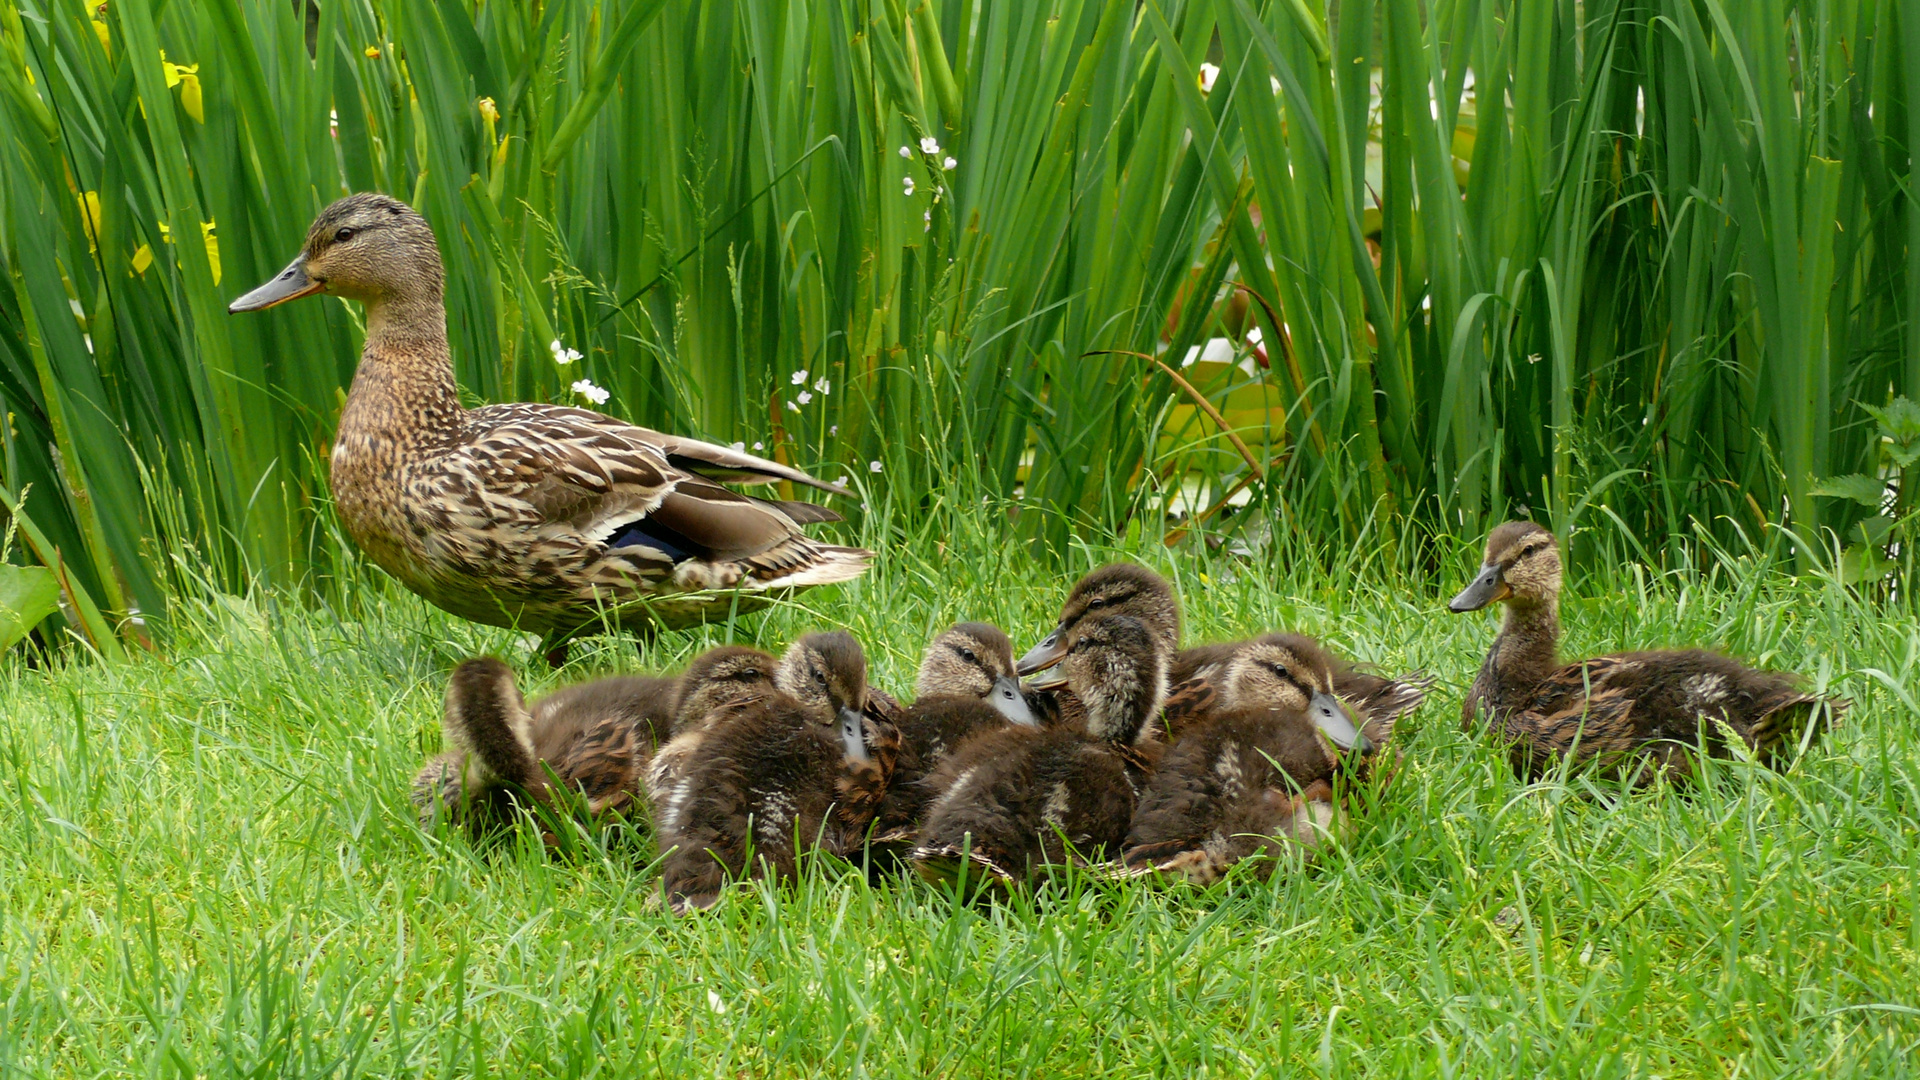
(1644,264)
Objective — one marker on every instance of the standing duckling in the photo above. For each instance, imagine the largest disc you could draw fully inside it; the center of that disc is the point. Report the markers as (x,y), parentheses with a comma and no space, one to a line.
(1019,798)
(966,686)
(1636,715)
(777,775)
(1257,774)
(594,738)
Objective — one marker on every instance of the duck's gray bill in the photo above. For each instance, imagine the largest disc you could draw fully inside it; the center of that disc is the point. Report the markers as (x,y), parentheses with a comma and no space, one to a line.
(853,734)
(289,284)
(1484,590)
(1010,702)
(1336,724)
(1044,655)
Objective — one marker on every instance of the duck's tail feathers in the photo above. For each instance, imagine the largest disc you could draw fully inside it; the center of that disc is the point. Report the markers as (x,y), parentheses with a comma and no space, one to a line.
(943,865)
(807,563)
(487,723)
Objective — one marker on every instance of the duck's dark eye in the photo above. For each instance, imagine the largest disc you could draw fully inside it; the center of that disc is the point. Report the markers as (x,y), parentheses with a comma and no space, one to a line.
(343,236)
(967,655)
(819,677)
(748,674)
(1281,670)
(1096,602)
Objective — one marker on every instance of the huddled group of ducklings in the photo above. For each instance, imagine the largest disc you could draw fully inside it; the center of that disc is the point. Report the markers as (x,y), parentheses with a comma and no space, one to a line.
(1126,752)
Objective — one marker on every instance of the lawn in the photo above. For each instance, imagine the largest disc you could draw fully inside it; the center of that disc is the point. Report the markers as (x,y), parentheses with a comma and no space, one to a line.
(211,869)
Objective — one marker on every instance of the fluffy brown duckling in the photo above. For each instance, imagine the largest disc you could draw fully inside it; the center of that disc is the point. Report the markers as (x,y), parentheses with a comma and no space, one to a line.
(1635,715)
(1257,774)
(1193,673)
(1018,799)
(594,738)
(966,686)
(777,775)
(1376,699)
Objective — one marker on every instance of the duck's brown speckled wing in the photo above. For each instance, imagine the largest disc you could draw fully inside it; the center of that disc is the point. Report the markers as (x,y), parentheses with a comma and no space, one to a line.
(604,765)
(559,511)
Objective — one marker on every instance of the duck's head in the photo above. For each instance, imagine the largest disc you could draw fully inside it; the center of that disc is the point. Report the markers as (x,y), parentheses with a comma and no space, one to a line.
(1522,567)
(827,674)
(1292,673)
(721,677)
(1117,667)
(367,247)
(1117,589)
(975,660)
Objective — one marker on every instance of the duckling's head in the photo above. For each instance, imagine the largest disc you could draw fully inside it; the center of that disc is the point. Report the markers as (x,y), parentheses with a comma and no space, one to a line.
(1292,673)
(827,675)
(1117,589)
(1522,569)
(722,676)
(367,247)
(1117,667)
(975,660)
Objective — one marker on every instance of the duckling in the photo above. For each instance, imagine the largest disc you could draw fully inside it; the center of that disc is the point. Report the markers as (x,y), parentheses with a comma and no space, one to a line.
(966,685)
(594,738)
(1633,715)
(1257,774)
(1017,799)
(538,517)
(1134,590)
(1376,699)
(777,775)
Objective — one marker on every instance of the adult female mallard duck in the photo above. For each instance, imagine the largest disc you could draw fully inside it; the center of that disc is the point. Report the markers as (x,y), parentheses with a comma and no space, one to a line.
(1257,775)
(1637,715)
(1194,673)
(594,739)
(1018,799)
(776,775)
(540,517)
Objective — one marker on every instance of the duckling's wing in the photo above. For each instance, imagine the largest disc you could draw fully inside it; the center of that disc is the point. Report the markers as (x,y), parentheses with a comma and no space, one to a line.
(1590,704)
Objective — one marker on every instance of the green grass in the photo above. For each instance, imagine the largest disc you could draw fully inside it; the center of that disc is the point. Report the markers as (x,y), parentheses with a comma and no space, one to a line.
(210,868)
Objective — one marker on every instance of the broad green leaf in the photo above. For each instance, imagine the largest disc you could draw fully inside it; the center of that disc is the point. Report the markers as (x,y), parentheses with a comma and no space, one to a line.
(1865,490)
(28,594)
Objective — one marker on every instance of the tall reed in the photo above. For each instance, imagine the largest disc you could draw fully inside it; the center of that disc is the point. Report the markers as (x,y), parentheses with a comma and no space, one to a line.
(1644,259)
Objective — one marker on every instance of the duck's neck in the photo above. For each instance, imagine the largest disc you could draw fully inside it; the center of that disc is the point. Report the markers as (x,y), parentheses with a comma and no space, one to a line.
(1528,648)
(404,390)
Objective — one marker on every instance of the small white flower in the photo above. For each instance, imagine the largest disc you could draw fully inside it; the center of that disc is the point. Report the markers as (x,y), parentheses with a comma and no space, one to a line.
(805,397)
(834,430)
(821,384)
(948,163)
(929,145)
(759,446)
(843,481)
(800,376)
(907,183)
(791,407)
(592,393)
(864,508)
(873,466)
(928,218)
(561,354)
(740,446)
(906,152)
(714,1003)
(1208,73)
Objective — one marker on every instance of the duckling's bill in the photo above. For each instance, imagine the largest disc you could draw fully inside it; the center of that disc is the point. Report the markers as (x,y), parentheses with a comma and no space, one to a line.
(1335,722)
(1490,587)
(289,284)
(1049,652)
(1009,702)
(1053,679)
(853,734)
